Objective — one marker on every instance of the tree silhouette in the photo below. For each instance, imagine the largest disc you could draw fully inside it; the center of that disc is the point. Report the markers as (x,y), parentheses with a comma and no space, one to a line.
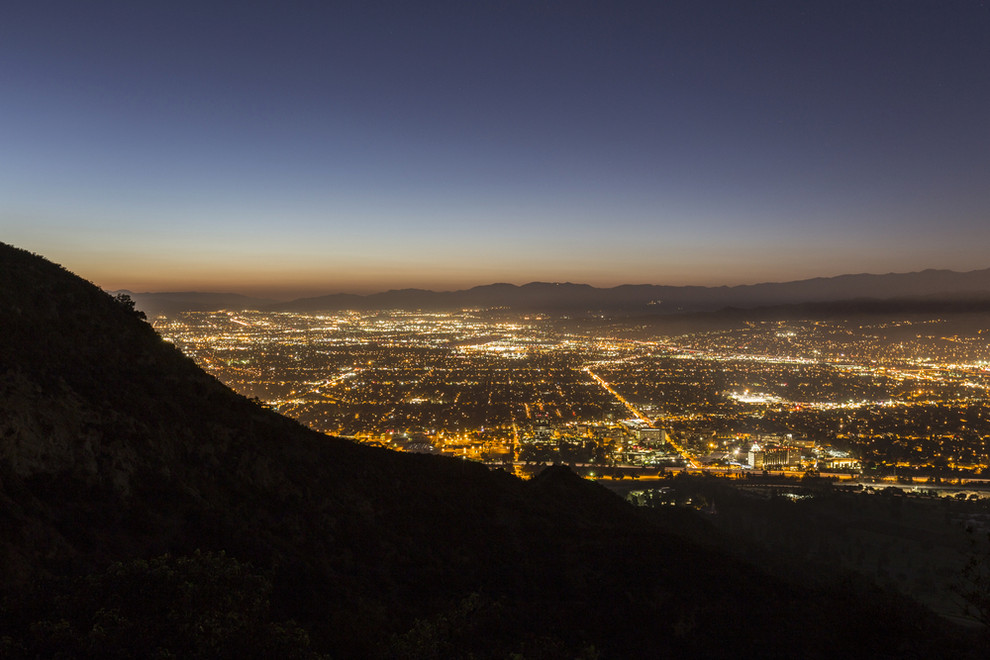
(128,303)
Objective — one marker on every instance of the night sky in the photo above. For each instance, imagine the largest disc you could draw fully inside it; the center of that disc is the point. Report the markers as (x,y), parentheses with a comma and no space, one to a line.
(313,147)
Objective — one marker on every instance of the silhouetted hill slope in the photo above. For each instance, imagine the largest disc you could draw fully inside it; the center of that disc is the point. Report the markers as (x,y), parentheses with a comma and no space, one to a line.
(656,299)
(114,447)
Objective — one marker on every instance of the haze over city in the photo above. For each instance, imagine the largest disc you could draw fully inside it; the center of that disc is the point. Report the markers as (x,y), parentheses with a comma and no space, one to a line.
(300,149)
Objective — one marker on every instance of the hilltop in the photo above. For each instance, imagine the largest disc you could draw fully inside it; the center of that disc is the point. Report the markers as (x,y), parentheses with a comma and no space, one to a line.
(116,450)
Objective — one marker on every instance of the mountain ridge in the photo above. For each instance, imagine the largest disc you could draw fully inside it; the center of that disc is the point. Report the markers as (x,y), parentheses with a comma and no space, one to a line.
(570,297)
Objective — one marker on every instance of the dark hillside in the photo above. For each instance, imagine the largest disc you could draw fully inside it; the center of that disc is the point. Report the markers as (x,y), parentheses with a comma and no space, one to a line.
(116,448)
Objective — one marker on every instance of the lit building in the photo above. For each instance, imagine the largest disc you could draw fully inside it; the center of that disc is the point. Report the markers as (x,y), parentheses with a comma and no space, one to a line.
(755,457)
(779,457)
(650,436)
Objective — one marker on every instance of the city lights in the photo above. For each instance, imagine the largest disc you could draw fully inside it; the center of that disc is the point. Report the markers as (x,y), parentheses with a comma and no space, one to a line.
(530,390)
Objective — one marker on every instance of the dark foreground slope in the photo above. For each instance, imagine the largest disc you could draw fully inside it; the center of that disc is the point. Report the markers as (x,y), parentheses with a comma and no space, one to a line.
(114,448)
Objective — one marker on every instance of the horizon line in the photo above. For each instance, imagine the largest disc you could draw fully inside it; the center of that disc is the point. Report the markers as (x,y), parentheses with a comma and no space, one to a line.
(292,298)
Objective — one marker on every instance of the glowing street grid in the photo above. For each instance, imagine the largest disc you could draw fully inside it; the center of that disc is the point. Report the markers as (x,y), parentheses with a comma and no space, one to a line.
(505,388)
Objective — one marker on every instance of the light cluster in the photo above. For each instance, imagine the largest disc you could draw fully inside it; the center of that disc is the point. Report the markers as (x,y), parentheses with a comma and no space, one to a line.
(502,387)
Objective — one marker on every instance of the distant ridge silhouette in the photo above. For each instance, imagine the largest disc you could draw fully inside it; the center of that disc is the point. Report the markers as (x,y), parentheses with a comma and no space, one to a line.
(568,297)
(648,298)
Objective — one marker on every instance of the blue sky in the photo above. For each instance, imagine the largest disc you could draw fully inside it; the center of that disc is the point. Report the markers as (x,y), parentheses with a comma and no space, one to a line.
(305,147)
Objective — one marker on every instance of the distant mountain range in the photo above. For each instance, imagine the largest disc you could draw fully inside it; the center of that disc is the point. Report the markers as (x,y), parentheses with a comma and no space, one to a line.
(568,297)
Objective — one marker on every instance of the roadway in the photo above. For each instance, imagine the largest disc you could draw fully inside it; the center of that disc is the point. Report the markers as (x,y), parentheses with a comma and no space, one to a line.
(640,416)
